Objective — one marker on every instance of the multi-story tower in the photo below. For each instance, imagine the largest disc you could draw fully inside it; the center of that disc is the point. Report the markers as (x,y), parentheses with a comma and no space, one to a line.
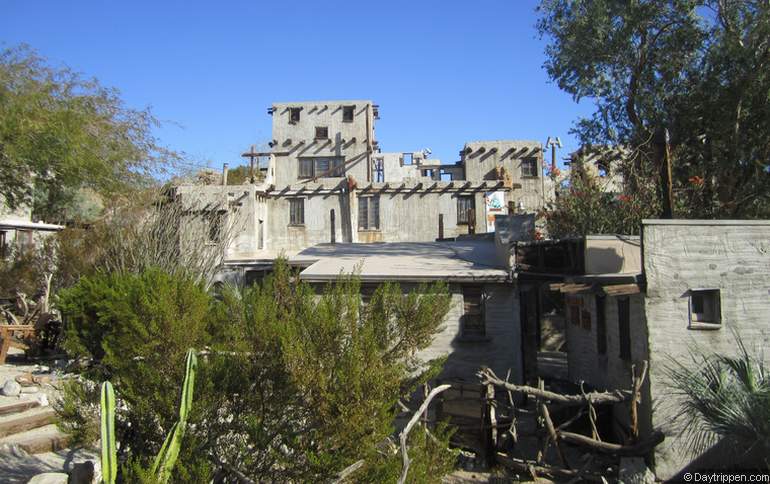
(327,181)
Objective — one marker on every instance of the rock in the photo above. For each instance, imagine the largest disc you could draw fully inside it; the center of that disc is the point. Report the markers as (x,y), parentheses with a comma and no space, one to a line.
(84,473)
(11,388)
(49,478)
(633,470)
(30,389)
(42,399)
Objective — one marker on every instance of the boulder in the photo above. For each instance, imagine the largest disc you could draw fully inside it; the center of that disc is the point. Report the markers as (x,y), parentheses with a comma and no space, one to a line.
(49,478)
(633,470)
(11,388)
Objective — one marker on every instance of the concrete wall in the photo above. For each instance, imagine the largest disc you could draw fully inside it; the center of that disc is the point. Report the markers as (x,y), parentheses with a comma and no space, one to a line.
(500,350)
(347,139)
(607,371)
(481,158)
(610,254)
(680,255)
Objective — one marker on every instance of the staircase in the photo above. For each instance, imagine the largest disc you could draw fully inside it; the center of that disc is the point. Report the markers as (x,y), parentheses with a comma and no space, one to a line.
(30,427)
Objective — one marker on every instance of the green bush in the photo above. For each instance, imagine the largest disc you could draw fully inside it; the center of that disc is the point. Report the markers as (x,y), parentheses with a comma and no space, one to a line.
(296,385)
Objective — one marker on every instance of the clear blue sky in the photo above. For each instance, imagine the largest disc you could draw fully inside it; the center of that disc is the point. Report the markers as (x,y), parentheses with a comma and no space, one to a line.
(443,72)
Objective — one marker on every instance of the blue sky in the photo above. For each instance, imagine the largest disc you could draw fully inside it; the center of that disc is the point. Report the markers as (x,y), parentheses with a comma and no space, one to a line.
(443,72)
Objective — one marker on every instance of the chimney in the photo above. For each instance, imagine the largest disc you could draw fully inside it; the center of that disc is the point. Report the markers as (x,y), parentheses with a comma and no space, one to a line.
(224,174)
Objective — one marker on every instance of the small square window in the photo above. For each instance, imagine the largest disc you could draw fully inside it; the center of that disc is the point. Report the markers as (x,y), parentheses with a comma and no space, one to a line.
(348,113)
(529,167)
(297,211)
(407,159)
(305,168)
(294,115)
(321,132)
(705,306)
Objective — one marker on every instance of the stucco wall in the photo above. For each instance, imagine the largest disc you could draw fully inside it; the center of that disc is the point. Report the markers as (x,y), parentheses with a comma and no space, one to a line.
(732,256)
(347,139)
(500,350)
(508,154)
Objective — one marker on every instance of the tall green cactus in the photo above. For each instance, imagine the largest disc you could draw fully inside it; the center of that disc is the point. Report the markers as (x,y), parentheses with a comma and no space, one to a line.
(166,459)
(169,452)
(109,451)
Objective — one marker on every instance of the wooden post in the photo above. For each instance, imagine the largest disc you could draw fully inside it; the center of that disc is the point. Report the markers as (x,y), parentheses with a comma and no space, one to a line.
(472,220)
(334,234)
(663,155)
(224,174)
(441,226)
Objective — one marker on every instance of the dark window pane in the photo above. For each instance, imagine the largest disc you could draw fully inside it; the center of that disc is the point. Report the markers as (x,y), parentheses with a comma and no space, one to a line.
(363,213)
(624,328)
(305,168)
(529,167)
(297,211)
(321,167)
(601,326)
(473,323)
(294,115)
(321,132)
(348,112)
(464,205)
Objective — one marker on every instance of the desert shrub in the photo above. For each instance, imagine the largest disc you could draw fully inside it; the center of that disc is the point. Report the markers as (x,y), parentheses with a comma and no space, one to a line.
(295,386)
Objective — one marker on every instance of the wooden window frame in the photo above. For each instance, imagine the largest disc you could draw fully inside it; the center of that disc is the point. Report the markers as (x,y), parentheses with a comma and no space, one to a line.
(705,308)
(473,324)
(348,113)
(297,216)
(322,132)
(367,212)
(295,114)
(462,212)
(526,162)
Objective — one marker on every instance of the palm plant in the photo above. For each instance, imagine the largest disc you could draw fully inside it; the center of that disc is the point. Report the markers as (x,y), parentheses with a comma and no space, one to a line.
(724,398)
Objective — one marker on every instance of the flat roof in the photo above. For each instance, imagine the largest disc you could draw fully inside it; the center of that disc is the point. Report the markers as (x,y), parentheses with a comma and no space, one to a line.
(703,222)
(457,261)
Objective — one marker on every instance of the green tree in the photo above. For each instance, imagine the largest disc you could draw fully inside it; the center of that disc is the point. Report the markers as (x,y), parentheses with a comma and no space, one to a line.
(294,385)
(60,133)
(698,69)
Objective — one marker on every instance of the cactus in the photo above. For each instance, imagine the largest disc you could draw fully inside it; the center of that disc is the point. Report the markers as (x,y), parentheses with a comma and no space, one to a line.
(109,451)
(166,459)
(169,452)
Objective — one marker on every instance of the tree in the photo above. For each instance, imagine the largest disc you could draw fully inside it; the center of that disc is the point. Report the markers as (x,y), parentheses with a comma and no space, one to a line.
(294,385)
(60,133)
(697,70)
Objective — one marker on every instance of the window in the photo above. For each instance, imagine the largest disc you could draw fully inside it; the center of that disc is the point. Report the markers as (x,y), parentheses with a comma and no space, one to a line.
(24,240)
(624,328)
(348,112)
(320,167)
(294,115)
(296,211)
(464,209)
(3,244)
(369,213)
(215,220)
(529,167)
(321,132)
(705,306)
(379,170)
(407,159)
(473,313)
(601,325)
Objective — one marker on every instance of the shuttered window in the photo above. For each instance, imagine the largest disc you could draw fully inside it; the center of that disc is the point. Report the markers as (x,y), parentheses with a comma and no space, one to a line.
(464,207)
(297,211)
(529,167)
(320,167)
(369,213)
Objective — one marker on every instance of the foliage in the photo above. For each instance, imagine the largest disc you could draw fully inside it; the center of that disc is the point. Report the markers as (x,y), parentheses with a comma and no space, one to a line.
(60,133)
(164,462)
(296,385)
(699,69)
(240,175)
(78,411)
(24,270)
(724,398)
(584,207)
